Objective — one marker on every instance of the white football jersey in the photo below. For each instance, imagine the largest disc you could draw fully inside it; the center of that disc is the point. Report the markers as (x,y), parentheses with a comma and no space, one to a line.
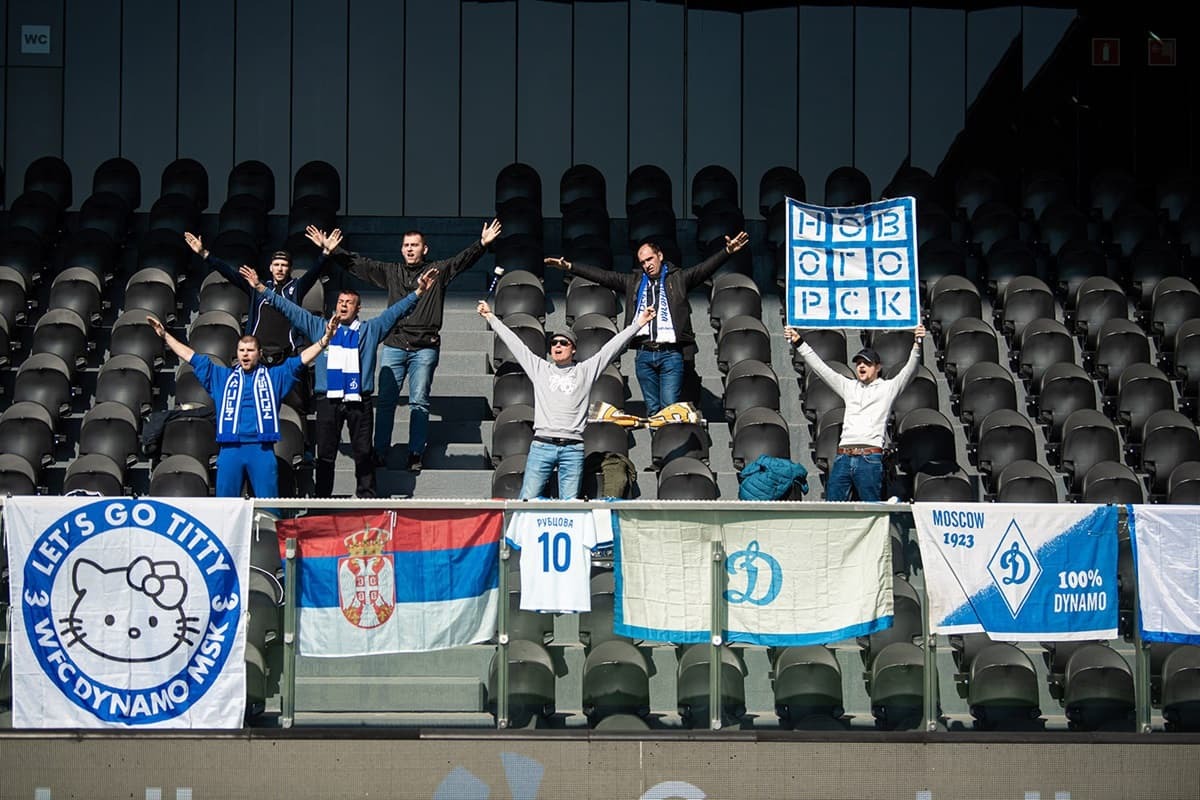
(556,556)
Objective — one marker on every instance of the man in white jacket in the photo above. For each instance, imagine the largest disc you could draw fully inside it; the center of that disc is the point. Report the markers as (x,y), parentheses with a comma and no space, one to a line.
(560,392)
(869,400)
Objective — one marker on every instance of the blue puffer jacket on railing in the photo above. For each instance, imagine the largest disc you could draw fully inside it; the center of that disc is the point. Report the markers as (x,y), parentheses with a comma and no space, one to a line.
(770,478)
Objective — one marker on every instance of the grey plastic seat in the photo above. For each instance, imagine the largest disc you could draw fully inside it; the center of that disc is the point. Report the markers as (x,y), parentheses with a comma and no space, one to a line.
(807,684)
(45,379)
(530,683)
(17,476)
(519,291)
(1098,690)
(1025,481)
(897,686)
(952,486)
(132,335)
(215,333)
(759,431)
(686,478)
(512,433)
(95,472)
(585,297)
(1003,689)
(692,693)
(508,477)
(111,429)
(1181,689)
(749,384)
(179,476)
(616,680)
(528,329)
(62,332)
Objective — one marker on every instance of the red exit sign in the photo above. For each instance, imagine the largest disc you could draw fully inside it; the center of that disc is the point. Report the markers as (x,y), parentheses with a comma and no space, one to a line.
(1160,52)
(1106,52)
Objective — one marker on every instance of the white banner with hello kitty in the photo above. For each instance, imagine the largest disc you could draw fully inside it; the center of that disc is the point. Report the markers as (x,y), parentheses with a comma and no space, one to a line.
(128,612)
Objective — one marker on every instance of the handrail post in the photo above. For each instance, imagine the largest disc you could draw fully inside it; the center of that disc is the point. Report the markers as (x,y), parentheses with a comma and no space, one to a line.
(502,720)
(929,698)
(288,710)
(1141,651)
(716,637)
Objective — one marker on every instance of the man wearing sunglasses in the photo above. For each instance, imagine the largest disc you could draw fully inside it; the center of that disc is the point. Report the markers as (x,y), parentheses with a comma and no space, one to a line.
(560,391)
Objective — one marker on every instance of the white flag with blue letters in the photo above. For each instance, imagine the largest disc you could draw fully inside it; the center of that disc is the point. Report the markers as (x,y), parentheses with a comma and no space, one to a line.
(1020,571)
(1166,554)
(790,578)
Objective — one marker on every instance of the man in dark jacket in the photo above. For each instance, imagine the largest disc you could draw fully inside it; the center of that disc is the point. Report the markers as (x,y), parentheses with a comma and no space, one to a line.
(412,347)
(661,344)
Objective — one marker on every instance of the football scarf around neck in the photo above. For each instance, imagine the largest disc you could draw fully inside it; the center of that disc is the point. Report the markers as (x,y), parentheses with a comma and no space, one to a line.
(265,406)
(662,327)
(342,378)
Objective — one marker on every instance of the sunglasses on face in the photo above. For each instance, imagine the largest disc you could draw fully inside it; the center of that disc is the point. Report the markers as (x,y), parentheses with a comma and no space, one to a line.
(560,342)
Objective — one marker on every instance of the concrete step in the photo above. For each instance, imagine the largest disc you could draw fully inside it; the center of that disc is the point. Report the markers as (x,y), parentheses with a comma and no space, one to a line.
(371,719)
(461,662)
(389,693)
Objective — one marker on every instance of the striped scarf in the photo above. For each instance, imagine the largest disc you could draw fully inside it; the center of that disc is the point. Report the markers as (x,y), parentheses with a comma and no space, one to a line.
(662,327)
(265,406)
(342,372)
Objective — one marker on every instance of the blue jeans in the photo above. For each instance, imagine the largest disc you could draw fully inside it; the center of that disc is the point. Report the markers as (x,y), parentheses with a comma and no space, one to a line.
(395,363)
(660,374)
(253,460)
(865,472)
(542,460)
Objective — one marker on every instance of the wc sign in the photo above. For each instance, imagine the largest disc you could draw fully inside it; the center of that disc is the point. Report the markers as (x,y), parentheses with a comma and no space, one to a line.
(35,39)
(852,267)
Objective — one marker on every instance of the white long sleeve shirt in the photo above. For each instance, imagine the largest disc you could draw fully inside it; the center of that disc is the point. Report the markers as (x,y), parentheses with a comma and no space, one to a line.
(867,404)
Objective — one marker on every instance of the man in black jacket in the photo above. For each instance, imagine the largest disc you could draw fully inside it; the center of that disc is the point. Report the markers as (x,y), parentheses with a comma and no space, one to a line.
(661,344)
(411,349)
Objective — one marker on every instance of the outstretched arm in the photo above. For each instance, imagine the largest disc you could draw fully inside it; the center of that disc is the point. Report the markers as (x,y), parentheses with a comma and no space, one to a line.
(328,242)
(613,347)
(605,277)
(521,352)
(180,349)
(227,271)
(909,369)
(405,305)
(310,353)
(835,380)
(698,274)
(310,325)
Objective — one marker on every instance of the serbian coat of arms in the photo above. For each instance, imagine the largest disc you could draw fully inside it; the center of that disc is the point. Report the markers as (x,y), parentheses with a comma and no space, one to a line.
(367,579)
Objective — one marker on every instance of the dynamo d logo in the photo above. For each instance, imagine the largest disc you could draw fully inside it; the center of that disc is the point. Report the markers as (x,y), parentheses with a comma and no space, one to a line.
(131,609)
(764,576)
(1014,568)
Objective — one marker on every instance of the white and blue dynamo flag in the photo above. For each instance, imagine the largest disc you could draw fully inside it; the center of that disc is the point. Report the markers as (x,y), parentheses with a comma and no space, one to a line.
(128,613)
(1166,555)
(852,267)
(1020,571)
(790,579)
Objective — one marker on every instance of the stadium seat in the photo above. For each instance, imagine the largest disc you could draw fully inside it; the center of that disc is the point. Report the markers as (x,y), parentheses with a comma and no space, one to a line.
(106,212)
(616,680)
(993,223)
(585,297)
(1097,300)
(218,294)
(508,476)
(518,181)
(179,476)
(826,435)
(1168,440)
(1173,192)
(190,435)
(951,298)
(1024,299)
(253,178)
(816,397)
(921,392)
(1112,482)
(1131,226)
(713,182)
(27,430)
(132,335)
(37,213)
(530,683)
(520,292)
(749,384)
(596,626)
(318,179)
(291,445)
(511,386)
(1120,344)
(924,436)
(216,334)
(652,220)
(692,687)
(1065,388)
(1005,436)
(741,338)
(46,379)
(586,220)
(581,184)
(1110,188)
(609,388)
(127,380)
(592,332)
(1003,689)
(188,177)
(1088,438)
(61,332)
(111,429)
(1175,301)
(1041,189)
(78,290)
(1025,481)
(679,440)
(600,438)
(5,342)
(315,211)
(121,177)
(758,432)
(935,223)
(976,186)
(829,344)
(847,186)
(986,387)
(894,348)
(1142,389)
(512,433)
(897,686)
(1061,223)
(95,472)
(17,476)
(14,300)
(1098,690)
(1150,263)
(967,341)
(905,627)
(1043,342)
(1181,689)
(154,290)
(686,478)
(52,176)
(778,184)
(1183,485)
(529,329)
(1008,259)
(733,295)
(953,486)
(721,219)
(938,258)
(592,250)
(648,182)
(807,685)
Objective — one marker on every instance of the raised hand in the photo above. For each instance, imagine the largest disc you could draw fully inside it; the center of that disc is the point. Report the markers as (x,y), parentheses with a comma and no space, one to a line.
(489,233)
(736,243)
(426,281)
(193,241)
(792,335)
(251,277)
(558,262)
(646,315)
(483,309)
(332,240)
(159,329)
(331,328)
(919,333)
(316,236)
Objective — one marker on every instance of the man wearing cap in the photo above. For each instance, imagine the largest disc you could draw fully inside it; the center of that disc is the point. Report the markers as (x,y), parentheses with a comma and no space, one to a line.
(560,391)
(662,342)
(868,399)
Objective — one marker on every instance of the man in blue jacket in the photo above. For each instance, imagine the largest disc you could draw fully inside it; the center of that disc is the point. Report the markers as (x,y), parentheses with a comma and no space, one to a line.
(345,375)
(248,397)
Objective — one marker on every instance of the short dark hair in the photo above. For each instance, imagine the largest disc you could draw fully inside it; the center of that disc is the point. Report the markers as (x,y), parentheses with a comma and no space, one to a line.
(412,233)
(282,255)
(652,244)
(250,338)
(351,292)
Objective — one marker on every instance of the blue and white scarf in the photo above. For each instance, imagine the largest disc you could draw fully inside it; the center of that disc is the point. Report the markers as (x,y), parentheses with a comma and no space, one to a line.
(662,328)
(343,379)
(265,404)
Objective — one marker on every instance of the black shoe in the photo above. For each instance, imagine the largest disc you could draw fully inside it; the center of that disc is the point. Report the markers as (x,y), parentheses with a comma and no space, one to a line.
(414,462)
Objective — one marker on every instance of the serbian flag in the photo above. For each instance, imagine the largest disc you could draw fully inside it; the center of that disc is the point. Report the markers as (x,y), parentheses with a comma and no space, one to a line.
(390,582)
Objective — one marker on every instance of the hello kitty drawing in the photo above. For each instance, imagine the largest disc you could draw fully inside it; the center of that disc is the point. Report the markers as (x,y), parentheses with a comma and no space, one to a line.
(152,624)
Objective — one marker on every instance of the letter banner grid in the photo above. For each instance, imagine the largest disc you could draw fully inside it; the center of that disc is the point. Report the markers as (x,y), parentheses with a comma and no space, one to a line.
(1020,572)
(852,267)
(790,579)
(1166,554)
(128,613)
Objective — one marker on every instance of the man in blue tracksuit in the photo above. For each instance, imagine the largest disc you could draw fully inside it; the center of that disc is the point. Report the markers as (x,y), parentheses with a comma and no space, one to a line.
(345,375)
(248,397)
(276,336)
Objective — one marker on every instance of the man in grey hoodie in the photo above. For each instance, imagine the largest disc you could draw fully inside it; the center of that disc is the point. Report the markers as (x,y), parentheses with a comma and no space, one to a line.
(560,391)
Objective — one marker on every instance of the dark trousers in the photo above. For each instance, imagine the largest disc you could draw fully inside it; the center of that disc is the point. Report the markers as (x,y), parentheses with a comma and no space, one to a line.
(358,417)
